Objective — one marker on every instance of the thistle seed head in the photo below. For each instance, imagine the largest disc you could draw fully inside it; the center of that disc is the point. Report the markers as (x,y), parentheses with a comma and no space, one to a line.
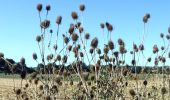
(39,7)
(74,37)
(38,38)
(34,56)
(48,7)
(74,15)
(82,7)
(94,43)
(58,20)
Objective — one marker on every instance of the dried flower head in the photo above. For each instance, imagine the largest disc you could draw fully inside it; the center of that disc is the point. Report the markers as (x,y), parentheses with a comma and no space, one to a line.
(161,35)
(81,29)
(98,51)
(145,82)
(146,17)
(74,37)
(55,47)
(18,91)
(48,7)
(87,36)
(58,20)
(39,7)
(66,40)
(155,49)
(45,24)
(22,61)
(91,50)
(163,90)
(38,38)
(23,74)
(167,36)
(102,25)
(109,26)
(94,43)
(82,7)
(132,92)
(58,57)
(111,45)
(71,29)
(34,56)
(141,47)
(74,15)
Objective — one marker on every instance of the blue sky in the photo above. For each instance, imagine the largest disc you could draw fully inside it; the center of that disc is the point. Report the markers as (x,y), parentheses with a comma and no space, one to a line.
(20,23)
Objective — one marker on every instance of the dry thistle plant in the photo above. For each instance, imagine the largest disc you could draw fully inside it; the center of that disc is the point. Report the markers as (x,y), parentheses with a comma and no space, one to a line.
(106,74)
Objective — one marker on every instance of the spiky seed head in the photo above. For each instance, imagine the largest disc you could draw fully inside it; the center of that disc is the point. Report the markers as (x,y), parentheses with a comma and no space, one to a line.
(106,50)
(39,7)
(132,92)
(69,48)
(78,24)
(145,19)
(155,49)
(38,38)
(148,15)
(22,61)
(133,62)
(74,15)
(87,36)
(48,7)
(58,57)
(161,35)
(34,56)
(71,29)
(162,47)
(98,51)
(23,74)
(94,43)
(51,31)
(58,20)
(45,24)
(82,7)
(41,87)
(109,26)
(120,41)
(111,45)
(163,59)
(149,59)
(74,37)
(36,81)
(145,82)
(167,36)
(81,54)
(81,29)
(102,25)
(163,90)
(126,83)
(116,54)
(64,59)
(18,91)
(141,47)
(91,50)
(121,49)
(66,40)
